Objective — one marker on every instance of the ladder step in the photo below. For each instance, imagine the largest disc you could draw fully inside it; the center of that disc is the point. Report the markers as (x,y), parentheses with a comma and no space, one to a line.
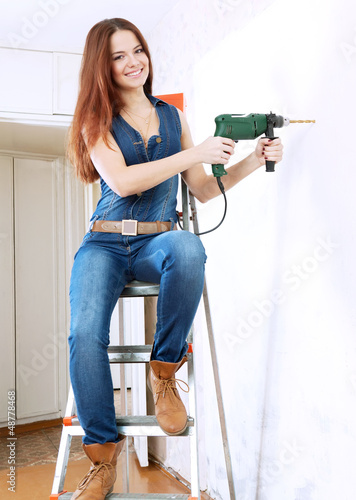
(145,425)
(129,353)
(133,353)
(130,496)
(140,289)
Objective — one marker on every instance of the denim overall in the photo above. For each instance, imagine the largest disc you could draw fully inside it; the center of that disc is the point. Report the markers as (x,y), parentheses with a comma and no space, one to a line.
(106,262)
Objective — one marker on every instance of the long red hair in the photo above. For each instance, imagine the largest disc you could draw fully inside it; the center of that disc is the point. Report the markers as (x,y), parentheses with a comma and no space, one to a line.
(99,97)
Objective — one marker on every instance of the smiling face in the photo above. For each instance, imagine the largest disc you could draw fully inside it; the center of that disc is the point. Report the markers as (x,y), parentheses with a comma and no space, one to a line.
(129,63)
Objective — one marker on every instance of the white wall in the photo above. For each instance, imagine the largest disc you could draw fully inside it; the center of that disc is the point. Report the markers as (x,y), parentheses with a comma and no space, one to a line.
(280,270)
(60,26)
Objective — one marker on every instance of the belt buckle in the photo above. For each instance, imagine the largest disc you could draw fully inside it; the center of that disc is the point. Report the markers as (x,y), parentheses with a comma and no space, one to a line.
(129,227)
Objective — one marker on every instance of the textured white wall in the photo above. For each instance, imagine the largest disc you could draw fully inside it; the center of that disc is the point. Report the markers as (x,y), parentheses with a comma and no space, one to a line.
(280,270)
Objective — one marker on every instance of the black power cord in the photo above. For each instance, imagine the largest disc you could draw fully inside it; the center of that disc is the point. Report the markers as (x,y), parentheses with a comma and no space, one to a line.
(222,189)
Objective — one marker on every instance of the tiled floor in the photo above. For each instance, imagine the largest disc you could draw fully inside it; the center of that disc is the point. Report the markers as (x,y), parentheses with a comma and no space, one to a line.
(36,455)
(35,482)
(41,446)
(38,448)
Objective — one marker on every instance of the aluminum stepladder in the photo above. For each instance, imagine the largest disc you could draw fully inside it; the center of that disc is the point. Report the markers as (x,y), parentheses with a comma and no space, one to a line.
(127,425)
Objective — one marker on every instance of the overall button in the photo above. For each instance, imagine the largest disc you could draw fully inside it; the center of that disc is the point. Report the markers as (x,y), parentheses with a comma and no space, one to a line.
(158,140)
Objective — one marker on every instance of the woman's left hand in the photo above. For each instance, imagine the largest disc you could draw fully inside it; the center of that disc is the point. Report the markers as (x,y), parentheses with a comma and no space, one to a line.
(268,149)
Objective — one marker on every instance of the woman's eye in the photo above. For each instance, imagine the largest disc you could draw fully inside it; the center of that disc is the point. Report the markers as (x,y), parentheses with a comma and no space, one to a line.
(116,58)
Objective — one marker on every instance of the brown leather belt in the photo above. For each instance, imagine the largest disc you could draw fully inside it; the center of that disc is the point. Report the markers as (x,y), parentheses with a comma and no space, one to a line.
(131,227)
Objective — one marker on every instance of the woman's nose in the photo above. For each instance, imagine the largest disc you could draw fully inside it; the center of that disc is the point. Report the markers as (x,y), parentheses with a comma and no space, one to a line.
(133,61)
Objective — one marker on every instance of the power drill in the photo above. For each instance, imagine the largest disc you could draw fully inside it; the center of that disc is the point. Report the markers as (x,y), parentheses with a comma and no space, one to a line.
(244,127)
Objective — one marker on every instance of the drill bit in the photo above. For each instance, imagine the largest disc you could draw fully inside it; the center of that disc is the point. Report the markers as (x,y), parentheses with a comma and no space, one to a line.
(301,121)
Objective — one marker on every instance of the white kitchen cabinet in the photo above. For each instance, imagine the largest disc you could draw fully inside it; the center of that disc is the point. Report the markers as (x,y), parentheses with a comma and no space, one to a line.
(38,83)
(26,81)
(42,224)
(7,310)
(66,79)
(38,240)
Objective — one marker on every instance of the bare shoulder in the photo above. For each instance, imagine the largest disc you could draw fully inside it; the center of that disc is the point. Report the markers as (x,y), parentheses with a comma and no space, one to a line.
(186,138)
(183,118)
(105,147)
(108,160)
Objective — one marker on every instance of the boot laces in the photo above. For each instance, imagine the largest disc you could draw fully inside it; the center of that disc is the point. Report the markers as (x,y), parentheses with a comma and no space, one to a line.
(167,386)
(93,471)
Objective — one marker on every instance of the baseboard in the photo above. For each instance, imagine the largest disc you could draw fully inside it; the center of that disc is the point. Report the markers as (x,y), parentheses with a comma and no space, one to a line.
(33,426)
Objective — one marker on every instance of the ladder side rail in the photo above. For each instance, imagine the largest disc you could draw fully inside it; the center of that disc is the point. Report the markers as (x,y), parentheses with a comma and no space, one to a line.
(123,399)
(218,390)
(64,447)
(185,207)
(62,461)
(193,435)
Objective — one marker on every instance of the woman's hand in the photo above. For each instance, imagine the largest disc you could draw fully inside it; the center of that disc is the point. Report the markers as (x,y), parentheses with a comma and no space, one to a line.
(216,150)
(268,149)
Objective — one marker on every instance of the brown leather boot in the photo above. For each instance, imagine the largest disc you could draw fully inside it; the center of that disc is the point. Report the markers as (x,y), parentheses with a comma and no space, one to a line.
(100,479)
(170,411)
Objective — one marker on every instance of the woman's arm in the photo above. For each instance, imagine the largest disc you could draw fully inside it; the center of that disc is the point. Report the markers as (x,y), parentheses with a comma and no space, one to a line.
(204,187)
(125,181)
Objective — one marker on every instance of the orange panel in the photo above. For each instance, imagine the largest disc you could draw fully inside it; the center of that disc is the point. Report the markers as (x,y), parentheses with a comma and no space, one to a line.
(176,99)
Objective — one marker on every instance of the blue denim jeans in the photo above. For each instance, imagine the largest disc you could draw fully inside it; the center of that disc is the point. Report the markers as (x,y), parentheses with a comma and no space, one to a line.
(103,265)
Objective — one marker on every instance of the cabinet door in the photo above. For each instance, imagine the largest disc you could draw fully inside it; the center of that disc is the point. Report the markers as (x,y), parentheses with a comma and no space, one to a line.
(7,329)
(66,80)
(36,284)
(26,82)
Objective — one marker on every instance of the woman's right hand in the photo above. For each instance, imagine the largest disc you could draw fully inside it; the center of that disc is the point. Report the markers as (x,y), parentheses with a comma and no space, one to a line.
(216,150)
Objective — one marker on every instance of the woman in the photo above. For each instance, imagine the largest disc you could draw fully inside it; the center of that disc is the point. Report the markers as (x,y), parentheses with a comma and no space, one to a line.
(118,124)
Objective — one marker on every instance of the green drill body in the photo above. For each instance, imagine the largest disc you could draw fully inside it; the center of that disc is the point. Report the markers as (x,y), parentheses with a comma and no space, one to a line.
(246,127)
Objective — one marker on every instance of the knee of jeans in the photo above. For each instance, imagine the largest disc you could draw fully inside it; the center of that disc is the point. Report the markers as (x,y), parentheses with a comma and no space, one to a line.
(189,252)
(194,249)
(84,337)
